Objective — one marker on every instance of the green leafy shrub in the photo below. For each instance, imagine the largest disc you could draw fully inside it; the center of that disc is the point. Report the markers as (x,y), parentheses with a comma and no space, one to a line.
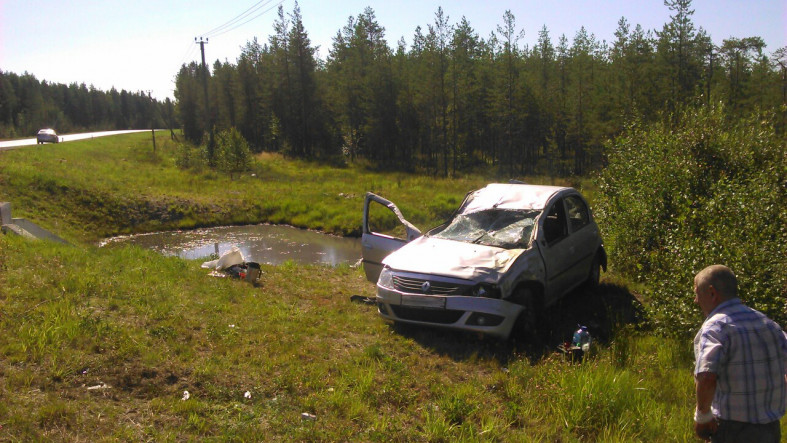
(695,190)
(189,157)
(232,152)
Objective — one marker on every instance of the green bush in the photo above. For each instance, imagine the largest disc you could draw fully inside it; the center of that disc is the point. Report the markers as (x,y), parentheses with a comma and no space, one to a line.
(190,158)
(232,152)
(691,191)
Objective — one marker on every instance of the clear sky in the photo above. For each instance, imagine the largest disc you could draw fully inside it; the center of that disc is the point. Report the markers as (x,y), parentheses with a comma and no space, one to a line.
(139,45)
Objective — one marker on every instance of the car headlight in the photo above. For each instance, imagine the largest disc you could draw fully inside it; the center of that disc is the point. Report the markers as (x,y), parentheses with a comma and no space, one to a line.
(486,290)
(386,279)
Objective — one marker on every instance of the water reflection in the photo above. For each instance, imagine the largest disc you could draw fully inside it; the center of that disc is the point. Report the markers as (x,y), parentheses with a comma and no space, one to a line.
(269,244)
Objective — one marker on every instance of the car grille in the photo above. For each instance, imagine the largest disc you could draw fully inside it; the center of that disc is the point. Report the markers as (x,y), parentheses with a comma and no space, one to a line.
(442,316)
(415,286)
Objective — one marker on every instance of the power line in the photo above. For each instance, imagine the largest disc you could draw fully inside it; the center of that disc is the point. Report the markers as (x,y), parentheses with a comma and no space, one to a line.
(238,17)
(258,15)
(187,53)
(231,24)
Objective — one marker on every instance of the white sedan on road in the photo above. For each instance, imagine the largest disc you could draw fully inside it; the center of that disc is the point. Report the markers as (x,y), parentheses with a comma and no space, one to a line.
(47,135)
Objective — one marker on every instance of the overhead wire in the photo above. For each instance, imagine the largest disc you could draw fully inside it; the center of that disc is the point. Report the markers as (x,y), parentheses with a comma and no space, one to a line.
(249,20)
(190,48)
(236,18)
(233,23)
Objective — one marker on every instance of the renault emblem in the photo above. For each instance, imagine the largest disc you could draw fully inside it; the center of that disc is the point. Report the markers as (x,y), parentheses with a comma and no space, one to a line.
(425,287)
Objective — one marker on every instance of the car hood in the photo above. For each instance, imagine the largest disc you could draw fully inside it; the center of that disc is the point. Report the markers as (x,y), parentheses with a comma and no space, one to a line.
(428,255)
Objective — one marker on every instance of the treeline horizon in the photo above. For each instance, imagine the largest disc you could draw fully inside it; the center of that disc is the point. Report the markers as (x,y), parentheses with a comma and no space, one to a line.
(27,105)
(452,101)
(448,103)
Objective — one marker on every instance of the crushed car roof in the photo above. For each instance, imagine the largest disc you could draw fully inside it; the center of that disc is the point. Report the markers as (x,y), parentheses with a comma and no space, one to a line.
(509,196)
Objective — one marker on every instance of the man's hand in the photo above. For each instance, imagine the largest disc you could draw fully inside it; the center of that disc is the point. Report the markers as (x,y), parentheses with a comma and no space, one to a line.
(704,431)
(705,383)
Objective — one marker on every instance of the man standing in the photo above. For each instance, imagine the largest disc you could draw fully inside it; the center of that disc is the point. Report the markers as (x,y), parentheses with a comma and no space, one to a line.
(741,365)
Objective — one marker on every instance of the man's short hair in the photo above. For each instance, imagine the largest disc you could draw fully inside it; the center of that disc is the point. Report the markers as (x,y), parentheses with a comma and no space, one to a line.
(721,278)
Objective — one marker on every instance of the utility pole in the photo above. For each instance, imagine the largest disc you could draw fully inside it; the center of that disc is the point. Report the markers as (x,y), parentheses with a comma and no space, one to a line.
(152,122)
(205,89)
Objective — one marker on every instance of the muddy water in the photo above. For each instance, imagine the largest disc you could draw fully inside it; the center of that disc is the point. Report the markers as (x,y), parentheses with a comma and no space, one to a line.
(269,244)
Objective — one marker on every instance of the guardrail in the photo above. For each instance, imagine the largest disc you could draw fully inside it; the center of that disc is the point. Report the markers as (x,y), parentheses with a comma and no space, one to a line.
(23,227)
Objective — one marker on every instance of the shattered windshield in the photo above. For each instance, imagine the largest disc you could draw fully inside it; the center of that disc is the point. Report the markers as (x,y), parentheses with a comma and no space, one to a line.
(492,227)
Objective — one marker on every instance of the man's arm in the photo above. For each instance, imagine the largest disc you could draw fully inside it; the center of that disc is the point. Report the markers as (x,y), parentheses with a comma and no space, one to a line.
(705,384)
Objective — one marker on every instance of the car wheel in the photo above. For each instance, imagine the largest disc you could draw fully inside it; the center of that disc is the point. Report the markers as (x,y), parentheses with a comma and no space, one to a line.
(529,320)
(595,272)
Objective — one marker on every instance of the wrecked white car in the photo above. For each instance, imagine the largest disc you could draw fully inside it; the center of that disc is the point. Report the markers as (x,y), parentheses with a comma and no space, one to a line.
(509,251)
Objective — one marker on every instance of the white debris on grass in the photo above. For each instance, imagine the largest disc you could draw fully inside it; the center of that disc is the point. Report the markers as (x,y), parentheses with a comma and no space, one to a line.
(307,416)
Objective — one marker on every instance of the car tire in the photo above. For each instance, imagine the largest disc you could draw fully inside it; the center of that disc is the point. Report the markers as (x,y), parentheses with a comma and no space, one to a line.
(528,324)
(594,277)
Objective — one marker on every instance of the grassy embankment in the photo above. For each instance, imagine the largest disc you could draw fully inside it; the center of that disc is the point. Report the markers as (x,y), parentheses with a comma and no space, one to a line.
(100,344)
(91,189)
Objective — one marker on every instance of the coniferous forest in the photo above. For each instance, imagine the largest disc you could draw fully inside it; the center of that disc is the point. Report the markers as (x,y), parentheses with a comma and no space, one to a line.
(27,105)
(449,102)
(454,100)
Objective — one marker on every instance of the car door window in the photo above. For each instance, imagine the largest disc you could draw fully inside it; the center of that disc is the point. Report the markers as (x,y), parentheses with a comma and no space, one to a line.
(382,220)
(578,215)
(384,231)
(555,228)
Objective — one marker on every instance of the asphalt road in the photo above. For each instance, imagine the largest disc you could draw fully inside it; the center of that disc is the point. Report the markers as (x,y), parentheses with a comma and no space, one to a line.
(14,144)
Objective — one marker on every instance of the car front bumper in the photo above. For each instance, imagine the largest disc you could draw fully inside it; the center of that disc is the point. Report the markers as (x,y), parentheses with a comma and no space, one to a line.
(490,316)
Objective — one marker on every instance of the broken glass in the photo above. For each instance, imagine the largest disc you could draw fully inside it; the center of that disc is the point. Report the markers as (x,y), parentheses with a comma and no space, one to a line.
(491,227)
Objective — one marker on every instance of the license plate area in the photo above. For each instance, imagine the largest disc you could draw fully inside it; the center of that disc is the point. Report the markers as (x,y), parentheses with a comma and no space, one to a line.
(423,301)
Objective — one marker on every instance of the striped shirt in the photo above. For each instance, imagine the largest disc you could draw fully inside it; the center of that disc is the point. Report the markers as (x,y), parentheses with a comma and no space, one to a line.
(748,353)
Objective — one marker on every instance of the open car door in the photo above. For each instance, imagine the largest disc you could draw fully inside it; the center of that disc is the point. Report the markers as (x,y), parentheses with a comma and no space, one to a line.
(375,246)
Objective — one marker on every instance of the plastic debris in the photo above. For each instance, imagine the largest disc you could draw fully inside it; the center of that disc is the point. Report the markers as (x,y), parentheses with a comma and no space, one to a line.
(361,299)
(578,346)
(232,257)
(233,264)
(247,394)
(582,338)
(186,395)
(307,416)
(100,385)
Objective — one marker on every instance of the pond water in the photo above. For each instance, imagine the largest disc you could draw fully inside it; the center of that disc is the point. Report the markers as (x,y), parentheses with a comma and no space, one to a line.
(271,244)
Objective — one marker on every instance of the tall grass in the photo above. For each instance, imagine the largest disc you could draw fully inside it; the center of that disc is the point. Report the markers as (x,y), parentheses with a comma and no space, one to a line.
(140,329)
(100,344)
(89,189)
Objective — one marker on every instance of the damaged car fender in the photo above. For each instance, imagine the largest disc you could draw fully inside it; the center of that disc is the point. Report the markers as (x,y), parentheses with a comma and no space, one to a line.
(527,270)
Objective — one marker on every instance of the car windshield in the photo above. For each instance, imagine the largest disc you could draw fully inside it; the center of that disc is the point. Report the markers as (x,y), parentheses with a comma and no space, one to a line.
(492,227)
